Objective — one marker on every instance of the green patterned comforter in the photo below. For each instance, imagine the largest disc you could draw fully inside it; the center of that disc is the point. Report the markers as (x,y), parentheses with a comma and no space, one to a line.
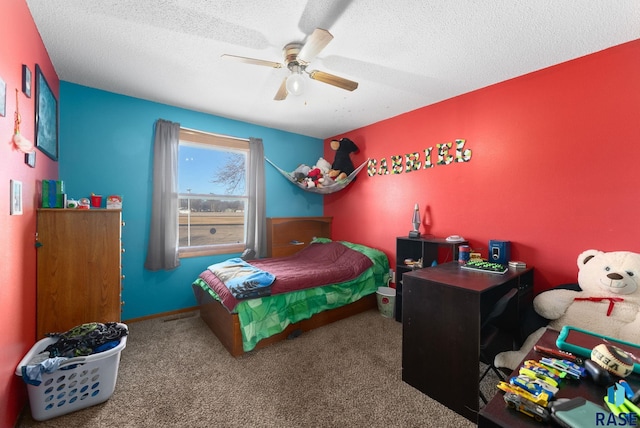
(265,316)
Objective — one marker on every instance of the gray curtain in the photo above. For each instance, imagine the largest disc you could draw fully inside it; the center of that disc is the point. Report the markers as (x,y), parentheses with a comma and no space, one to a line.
(162,252)
(256,217)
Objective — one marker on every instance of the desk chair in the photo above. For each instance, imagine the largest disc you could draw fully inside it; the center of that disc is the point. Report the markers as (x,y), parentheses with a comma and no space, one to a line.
(489,333)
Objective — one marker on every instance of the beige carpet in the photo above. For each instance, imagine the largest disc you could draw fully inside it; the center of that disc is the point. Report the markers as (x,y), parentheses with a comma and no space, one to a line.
(175,373)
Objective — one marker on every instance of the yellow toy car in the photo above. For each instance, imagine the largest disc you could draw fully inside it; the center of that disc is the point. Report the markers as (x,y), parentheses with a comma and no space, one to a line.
(527,407)
(541,399)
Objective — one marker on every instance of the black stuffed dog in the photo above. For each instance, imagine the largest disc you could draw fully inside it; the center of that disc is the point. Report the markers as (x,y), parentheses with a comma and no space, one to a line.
(342,165)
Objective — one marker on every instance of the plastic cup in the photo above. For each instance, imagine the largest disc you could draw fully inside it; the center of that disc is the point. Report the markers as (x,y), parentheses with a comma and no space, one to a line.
(96,201)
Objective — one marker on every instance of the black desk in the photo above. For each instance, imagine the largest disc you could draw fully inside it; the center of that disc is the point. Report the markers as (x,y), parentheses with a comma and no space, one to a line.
(497,414)
(443,309)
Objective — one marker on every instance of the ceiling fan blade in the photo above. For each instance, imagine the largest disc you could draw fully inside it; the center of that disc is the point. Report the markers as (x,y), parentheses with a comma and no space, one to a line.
(331,79)
(316,42)
(253,61)
(282,91)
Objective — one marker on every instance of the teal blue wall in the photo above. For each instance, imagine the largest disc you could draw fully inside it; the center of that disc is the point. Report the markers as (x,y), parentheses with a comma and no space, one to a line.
(106,147)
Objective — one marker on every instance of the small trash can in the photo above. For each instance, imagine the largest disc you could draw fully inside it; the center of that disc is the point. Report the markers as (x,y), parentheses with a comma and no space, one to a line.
(386,301)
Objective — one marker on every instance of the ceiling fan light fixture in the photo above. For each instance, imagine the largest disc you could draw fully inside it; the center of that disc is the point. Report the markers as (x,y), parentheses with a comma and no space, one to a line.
(295,84)
(297,57)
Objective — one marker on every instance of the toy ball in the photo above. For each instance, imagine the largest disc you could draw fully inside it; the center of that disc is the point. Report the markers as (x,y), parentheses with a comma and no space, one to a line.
(613,359)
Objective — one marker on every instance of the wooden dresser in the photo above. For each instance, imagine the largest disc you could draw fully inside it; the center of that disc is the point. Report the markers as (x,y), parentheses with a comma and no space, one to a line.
(79,272)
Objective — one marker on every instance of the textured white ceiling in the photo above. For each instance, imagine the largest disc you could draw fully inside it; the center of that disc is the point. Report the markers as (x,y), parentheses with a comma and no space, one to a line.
(404,54)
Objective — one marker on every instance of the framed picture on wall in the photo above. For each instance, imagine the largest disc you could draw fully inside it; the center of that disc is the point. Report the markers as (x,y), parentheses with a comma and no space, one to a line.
(16,197)
(30,159)
(46,117)
(3,98)
(26,80)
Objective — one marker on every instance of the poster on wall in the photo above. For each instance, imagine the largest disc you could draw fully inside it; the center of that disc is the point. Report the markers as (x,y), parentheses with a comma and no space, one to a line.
(46,117)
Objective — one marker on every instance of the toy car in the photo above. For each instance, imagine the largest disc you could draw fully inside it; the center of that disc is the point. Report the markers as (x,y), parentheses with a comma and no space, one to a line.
(542,375)
(533,385)
(527,407)
(572,369)
(557,375)
(541,399)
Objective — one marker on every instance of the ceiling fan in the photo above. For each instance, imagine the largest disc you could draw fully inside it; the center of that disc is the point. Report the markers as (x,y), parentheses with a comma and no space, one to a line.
(297,57)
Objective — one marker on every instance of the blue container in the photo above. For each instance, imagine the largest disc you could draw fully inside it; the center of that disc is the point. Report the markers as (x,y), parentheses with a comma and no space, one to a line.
(464,251)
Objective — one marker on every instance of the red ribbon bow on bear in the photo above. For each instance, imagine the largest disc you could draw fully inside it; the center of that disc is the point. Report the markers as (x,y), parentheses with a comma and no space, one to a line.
(612,301)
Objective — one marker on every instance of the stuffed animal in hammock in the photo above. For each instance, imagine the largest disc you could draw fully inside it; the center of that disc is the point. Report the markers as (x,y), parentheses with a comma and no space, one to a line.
(342,165)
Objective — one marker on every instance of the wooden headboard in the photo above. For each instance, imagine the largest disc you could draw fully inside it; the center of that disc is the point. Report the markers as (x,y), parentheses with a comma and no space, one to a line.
(288,235)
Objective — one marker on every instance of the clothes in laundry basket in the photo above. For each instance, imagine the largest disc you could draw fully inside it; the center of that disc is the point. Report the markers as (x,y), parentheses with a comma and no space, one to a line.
(86,339)
(32,373)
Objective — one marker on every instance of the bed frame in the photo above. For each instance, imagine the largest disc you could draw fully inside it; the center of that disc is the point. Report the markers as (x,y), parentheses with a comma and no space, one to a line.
(285,236)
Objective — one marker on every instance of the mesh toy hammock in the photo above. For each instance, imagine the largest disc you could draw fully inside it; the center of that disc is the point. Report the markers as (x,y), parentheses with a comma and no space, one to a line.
(334,187)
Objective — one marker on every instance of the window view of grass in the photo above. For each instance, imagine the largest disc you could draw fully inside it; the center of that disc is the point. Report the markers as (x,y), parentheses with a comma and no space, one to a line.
(210,228)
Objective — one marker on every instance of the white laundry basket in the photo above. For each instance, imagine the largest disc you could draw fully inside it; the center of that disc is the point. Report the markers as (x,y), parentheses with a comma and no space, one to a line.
(78,382)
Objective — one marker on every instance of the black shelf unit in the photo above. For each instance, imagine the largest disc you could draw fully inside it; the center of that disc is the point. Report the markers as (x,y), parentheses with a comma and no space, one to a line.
(425,248)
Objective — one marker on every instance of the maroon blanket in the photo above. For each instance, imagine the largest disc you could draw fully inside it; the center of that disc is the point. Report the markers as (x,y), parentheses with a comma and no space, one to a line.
(316,265)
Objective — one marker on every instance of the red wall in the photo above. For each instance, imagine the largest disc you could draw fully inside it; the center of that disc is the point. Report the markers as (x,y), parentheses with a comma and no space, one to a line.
(21,44)
(554,167)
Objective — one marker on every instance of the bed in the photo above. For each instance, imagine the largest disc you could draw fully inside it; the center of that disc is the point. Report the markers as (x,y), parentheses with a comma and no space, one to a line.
(339,279)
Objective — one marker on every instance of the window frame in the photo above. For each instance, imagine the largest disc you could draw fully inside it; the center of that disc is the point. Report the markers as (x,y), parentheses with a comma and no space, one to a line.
(192,136)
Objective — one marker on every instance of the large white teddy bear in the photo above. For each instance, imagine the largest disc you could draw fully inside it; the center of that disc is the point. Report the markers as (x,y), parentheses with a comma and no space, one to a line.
(609,303)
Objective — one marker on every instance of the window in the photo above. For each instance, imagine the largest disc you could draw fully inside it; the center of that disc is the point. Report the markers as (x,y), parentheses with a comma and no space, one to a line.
(213,200)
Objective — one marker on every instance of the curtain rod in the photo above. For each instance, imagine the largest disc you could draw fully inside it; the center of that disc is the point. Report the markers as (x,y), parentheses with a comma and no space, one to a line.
(214,134)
